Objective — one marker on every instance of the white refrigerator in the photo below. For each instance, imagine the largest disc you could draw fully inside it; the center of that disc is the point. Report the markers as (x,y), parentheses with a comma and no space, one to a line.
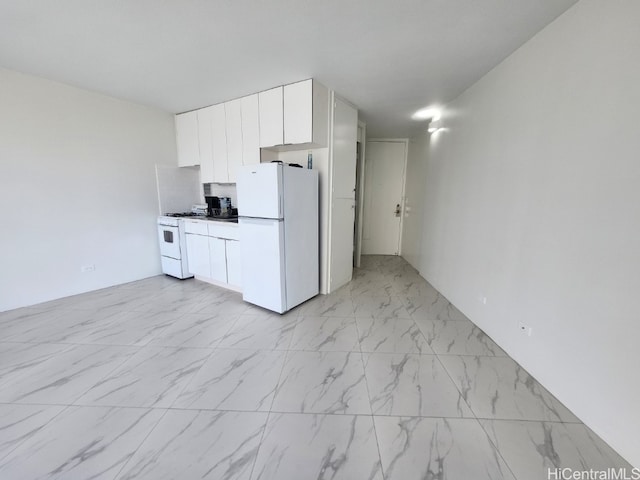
(278,210)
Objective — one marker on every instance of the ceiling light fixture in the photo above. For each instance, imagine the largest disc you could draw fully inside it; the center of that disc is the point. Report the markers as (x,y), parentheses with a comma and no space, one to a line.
(435,125)
(432,113)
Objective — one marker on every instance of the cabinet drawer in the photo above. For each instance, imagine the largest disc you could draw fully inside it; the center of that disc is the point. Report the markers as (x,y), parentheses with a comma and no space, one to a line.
(199,228)
(221,230)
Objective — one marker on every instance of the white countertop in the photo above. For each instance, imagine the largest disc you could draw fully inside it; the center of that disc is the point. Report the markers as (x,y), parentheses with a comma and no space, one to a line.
(209,220)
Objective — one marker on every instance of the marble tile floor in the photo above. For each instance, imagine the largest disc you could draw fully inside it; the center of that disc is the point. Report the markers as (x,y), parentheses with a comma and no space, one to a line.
(168,379)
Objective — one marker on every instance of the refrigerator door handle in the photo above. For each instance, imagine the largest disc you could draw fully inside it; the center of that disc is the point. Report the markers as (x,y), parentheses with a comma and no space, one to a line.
(261,218)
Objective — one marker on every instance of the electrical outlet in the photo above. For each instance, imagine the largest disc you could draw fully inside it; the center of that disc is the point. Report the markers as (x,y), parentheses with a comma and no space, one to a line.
(524,328)
(87,268)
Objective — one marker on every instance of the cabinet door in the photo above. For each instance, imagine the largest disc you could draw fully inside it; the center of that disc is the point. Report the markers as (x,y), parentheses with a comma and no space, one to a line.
(187,139)
(234,263)
(219,138)
(198,255)
(250,130)
(271,117)
(218,257)
(205,141)
(234,138)
(298,112)
(345,138)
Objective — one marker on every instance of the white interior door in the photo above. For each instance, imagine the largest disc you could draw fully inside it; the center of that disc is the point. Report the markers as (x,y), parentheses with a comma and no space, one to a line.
(345,138)
(383,190)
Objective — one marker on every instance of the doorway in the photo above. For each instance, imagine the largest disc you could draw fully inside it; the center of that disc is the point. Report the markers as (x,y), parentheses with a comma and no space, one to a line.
(385,167)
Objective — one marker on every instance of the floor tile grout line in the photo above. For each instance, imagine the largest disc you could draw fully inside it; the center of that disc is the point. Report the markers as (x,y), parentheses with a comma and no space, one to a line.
(517,364)
(124,361)
(477,419)
(456,386)
(373,422)
(149,343)
(291,412)
(284,363)
(496,448)
(275,392)
(264,431)
(128,345)
(475,416)
(63,408)
(193,376)
(133,454)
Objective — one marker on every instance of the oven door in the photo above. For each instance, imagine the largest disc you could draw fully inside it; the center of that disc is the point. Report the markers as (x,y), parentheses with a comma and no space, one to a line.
(169,241)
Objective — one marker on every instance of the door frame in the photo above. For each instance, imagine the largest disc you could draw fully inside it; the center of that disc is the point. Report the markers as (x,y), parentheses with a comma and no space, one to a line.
(405,142)
(360,193)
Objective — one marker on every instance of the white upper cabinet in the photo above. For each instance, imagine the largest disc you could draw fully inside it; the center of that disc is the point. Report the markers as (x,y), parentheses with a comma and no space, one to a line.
(250,130)
(298,112)
(306,113)
(219,138)
(187,139)
(271,117)
(234,138)
(222,137)
(227,136)
(205,142)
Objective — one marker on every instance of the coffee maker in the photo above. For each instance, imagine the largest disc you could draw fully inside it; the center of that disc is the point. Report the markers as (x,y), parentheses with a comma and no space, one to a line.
(213,206)
(225,206)
(219,206)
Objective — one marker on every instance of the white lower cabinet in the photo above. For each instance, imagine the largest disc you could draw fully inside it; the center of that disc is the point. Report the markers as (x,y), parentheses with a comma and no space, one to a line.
(234,264)
(218,259)
(198,254)
(213,251)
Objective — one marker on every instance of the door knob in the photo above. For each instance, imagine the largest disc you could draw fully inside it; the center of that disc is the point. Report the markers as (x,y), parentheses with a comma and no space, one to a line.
(397,212)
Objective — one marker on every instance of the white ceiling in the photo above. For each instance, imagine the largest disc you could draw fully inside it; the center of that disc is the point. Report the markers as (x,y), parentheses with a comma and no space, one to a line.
(388,57)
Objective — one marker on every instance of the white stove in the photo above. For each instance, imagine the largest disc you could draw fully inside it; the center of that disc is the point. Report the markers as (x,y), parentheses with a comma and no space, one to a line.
(173,245)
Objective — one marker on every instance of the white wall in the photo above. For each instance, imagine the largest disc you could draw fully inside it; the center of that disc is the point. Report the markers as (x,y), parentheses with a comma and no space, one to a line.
(532,199)
(414,199)
(77,187)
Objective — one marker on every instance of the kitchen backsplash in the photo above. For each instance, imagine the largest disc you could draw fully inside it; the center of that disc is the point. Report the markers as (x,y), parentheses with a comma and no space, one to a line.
(178,188)
(218,190)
